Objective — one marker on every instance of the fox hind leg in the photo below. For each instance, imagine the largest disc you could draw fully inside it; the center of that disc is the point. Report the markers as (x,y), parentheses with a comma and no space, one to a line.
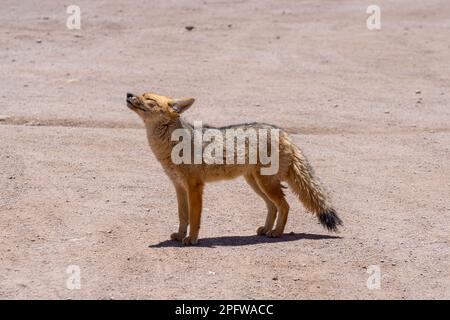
(272,188)
(271,208)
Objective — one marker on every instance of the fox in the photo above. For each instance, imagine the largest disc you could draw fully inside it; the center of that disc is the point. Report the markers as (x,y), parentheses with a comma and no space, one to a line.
(162,116)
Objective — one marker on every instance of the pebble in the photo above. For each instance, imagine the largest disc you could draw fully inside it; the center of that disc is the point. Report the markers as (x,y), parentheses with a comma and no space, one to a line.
(189,28)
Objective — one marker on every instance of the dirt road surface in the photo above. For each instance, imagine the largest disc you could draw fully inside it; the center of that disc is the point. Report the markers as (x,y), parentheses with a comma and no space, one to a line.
(80,189)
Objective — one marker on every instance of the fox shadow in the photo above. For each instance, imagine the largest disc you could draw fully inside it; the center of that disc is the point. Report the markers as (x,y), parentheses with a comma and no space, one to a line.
(236,241)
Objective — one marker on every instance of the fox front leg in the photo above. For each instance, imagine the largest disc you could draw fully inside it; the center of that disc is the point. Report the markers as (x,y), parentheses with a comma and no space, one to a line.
(195,193)
(183,214)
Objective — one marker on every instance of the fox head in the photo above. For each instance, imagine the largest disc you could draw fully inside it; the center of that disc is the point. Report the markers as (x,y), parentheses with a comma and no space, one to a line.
(152,107)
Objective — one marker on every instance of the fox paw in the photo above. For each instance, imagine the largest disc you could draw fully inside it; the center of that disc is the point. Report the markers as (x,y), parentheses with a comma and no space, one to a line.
(261,231)
(274,234)
(177,236)
(188,241)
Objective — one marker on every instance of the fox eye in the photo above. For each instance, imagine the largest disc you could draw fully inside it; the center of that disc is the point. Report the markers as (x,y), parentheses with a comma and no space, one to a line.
(150,103)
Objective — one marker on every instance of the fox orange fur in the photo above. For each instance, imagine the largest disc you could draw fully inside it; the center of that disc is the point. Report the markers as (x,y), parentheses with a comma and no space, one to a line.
(161,116)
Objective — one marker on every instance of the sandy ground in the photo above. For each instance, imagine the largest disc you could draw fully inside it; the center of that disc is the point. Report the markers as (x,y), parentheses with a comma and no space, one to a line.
(79,185)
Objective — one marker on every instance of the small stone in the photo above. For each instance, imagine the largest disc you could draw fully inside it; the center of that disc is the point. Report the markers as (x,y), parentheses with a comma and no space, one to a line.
(189,28)
(230,25)
(275,278)
(418,92)
(39,41)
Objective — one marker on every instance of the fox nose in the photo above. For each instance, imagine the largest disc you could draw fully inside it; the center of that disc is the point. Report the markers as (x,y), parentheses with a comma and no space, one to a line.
(130,95)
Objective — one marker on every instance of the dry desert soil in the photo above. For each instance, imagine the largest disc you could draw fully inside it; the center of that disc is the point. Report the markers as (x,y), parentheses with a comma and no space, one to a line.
(80,187)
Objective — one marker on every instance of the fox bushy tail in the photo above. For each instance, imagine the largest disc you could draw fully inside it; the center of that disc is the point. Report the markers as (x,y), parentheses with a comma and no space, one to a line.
(302,181)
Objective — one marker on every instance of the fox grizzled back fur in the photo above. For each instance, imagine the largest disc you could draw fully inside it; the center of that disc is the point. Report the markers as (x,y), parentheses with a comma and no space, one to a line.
(162,119)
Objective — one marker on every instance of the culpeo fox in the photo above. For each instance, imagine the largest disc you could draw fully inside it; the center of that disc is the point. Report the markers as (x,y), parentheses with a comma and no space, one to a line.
(161,116)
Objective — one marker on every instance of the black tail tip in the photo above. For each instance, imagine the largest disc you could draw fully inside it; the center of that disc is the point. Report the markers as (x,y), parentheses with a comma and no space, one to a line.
(330,220)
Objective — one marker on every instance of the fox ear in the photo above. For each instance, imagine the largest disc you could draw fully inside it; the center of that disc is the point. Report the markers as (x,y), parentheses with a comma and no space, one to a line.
(181,105)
